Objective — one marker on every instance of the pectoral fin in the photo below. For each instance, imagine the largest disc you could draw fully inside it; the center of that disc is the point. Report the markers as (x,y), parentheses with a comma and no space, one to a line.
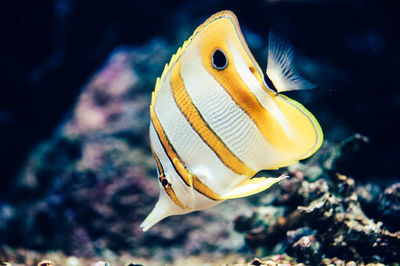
(280,66)
(252,186)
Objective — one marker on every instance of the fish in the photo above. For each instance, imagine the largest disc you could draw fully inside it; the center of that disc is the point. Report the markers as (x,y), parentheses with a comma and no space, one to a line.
(216,120)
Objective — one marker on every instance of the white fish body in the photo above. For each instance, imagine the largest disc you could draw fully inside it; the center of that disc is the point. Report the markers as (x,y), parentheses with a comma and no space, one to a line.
(215,122)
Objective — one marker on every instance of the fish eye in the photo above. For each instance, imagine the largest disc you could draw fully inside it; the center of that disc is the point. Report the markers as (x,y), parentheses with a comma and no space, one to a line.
(219,60)
(164,180)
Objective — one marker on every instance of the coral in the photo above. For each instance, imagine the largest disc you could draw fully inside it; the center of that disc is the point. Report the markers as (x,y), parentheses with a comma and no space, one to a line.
(46,263)
(329,221)
(86,189)
(389,206)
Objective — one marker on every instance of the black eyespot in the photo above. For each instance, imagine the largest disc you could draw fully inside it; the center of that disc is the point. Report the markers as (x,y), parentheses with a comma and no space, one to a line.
(219,60)
(164,182)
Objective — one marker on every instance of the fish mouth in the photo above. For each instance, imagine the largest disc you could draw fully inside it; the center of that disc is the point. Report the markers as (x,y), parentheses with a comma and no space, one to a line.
(164,207)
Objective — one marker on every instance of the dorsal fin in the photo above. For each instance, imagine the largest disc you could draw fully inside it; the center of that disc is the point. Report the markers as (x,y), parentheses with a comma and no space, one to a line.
(280,68)
(173,59)
(181,49)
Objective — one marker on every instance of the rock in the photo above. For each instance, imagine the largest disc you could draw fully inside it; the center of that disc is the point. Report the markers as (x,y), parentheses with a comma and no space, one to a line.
(294,235)
(87,188)
(101,263)
(389,206)
(256,262)
(47,263)
(329,221)
(368,195)
(351,155)
(307,250)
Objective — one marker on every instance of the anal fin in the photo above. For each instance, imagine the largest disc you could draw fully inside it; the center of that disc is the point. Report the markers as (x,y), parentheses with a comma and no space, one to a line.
(252,186)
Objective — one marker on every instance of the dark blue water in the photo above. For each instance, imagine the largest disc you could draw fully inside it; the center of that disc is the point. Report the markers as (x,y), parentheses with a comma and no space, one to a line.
(349,48)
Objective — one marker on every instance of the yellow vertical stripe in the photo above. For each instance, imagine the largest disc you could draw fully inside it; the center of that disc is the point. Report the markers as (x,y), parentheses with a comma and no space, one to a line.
(268,125)
(198,124)
(241,94)
(300,137)
(172,195)
(158,163)
(183,172)
(169,190)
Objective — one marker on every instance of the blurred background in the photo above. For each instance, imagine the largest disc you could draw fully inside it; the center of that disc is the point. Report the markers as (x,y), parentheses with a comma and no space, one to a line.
(76,78)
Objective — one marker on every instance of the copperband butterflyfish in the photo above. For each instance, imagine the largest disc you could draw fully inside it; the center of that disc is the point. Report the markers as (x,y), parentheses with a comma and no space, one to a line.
(216,122)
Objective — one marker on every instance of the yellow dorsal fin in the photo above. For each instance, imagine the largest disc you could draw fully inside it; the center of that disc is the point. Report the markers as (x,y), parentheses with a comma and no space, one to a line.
(252,186)
(181,49)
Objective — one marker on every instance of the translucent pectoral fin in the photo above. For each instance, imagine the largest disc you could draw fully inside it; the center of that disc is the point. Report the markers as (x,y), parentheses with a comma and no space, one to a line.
(252,186)
(280,66)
